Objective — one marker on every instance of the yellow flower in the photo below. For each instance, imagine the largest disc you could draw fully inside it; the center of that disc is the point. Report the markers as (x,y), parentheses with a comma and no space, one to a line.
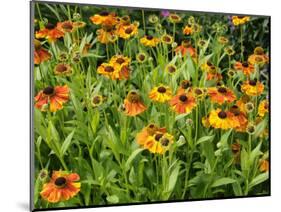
(161,93)
(149,40)
(167,39)
(159,142)
(252,87)
(127,31)
(222,119)
(187,30)
(171,69)
(239,20)
(263,108)
(174,18)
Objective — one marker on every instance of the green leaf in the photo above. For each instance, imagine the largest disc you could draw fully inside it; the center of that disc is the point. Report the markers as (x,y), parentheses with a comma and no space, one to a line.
(131,158)
(259,179)
(205,138)
(67,142)
(112,199)
(223,181)
(173,178)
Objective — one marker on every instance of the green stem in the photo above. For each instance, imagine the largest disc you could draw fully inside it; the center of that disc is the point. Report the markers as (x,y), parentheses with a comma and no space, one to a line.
(143,21)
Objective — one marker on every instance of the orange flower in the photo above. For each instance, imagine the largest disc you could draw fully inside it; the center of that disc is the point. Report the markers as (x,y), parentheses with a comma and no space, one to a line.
(40,54)
(241,103)
(184,85)
(107,34)
(133,104)
(53,96)
(62,187)
(65,26)
(104,17)
(247,68)
(259,57)
(183,102)
(149,130)
(188,30)
(264,166)
(221,95)
(214,76)
(159,142)
(252,87)
(50,32)
(186,48)
(241,118)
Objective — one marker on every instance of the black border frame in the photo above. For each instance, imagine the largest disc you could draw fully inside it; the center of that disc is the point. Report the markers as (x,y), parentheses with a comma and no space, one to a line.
(31,109)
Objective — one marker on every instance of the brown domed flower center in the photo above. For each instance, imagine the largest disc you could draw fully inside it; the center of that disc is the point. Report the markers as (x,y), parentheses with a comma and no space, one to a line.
(67,26)
(60,181)
(129,30)
(50,26)
(209,63)
(174,17)
(266,106)
(165,141)
(240,16)
(96,100)
(252,82)
(49,90)
(120,60)
(171,69)
(104,13)
(141,57)
(166,38)
(161,89)
(245,65)
(158,136)
(149,37)
(108,69)
(61,68)
(222,114)
(133,97)
(183,98)
(198,91)
(222,90)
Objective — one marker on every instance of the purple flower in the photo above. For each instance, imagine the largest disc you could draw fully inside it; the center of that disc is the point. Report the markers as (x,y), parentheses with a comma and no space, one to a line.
(165,13)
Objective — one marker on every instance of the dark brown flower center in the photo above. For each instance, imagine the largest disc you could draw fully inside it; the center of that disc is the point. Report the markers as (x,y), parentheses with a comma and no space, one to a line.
(240,16)
(120,60)
(171,69)
(222,90)
(108,69)
(67,26)
(158,136)
(96,100)
(151,126)
(252,82)
(50,26)
(245,65)
(222,114)
(266,106)
(61,68)
(198,91)
(174,17)
(60,181)
(128,30)
(161,89)
(209,63)
(141,57)
(166,38)
(104,13)
(183,98)
(165,141)
(49,90)
(149,37)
